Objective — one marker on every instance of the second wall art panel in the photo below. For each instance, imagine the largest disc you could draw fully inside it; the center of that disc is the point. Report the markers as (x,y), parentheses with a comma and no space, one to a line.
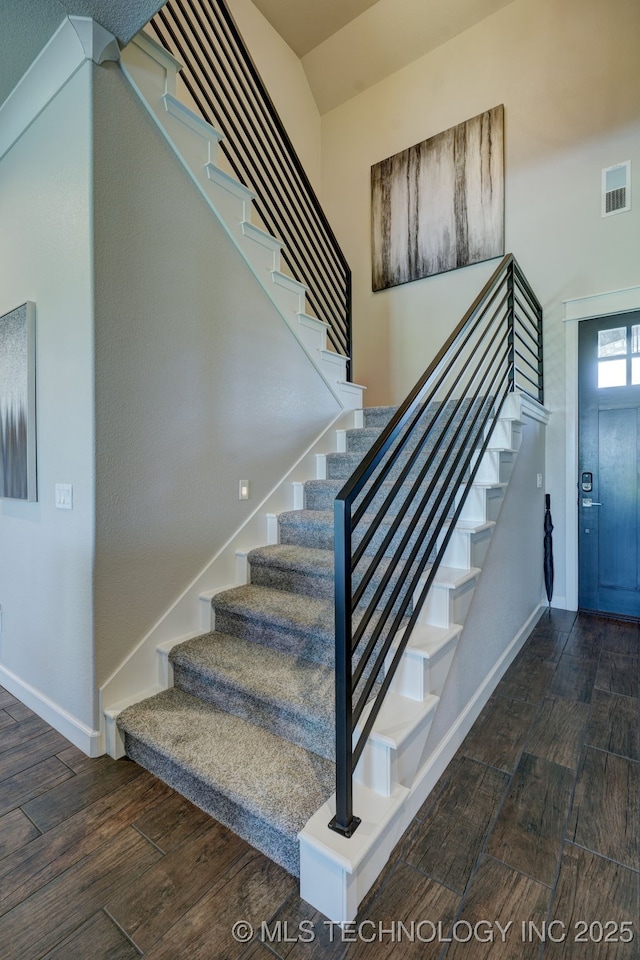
(440,204)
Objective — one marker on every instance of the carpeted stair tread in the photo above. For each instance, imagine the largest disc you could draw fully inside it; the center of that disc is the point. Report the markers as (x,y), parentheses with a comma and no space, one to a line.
(291,623)
(306,527)
(275,781)
(292,698)
(304,570)
(377,416)
(290,557)
(283,609)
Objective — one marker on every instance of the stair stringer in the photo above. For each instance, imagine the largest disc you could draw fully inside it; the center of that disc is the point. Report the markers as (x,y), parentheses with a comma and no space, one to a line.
(336,873)
(152,72)
(146,671)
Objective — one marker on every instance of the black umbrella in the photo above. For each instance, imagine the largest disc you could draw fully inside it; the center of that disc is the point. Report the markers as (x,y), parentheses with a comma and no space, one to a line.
(548,549)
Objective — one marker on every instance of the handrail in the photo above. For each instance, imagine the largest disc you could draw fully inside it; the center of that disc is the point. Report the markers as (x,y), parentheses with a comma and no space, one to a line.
(418,473)
(227,90)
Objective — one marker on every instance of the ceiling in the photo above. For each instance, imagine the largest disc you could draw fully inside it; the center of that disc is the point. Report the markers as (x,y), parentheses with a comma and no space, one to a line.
(306,23)
(347,46)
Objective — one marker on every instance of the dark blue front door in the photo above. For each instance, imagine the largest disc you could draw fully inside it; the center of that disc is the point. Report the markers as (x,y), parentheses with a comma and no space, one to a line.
(609,463)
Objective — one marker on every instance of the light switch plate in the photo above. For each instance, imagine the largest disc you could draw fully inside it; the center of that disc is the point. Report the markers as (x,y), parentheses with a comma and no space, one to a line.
(64,496)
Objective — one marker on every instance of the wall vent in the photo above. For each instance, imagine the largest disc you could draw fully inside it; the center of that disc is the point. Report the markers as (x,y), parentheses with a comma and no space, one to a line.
(616,189)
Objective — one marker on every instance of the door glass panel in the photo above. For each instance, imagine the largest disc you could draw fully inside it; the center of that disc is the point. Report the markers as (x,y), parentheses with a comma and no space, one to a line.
(635,339)
(612,343)
(612,373)
(635,370)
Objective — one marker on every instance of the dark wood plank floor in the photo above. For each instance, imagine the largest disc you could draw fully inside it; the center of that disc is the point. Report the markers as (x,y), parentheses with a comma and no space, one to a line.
(528,847)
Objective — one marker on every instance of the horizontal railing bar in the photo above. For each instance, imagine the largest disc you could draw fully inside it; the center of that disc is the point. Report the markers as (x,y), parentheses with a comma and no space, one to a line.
(275,191)
(226,14)
(525,334)
(525,286)
(208,42)
(362,665)
(357,636)
(533,363)
(393,666)
(384,443)
(526,318)
(241,99)
(353,486)
(534,383)
(229,54)
(372,491)
(420,413)
(415,488)
(452,481)
(526,361)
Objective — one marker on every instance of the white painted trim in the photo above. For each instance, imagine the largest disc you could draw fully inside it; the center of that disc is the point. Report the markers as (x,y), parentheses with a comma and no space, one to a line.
(176,109)
(89,741)
(444,752)
(98,44)
(602,304)
(577,309)
(182,619)
(336,874)
(76,40)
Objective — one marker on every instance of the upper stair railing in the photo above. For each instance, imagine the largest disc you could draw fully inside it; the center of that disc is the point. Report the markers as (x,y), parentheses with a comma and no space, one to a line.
(395,515)
(227,90)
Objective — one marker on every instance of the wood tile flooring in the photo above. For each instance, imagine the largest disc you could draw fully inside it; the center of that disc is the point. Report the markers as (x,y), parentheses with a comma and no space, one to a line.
(533,831)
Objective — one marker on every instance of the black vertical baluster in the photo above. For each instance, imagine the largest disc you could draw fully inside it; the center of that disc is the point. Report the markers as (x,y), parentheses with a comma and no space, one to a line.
(510,324)
(344,821)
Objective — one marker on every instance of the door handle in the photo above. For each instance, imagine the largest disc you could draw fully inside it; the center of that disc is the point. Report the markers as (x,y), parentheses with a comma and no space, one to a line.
(588,502)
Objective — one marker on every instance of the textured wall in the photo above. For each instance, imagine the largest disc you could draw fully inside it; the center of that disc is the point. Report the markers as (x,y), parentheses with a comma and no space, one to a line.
(199,382)
(46,554)
(510,588)
(568,77)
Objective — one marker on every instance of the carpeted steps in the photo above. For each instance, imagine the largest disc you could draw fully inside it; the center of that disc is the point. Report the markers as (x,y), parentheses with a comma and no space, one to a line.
(247,731)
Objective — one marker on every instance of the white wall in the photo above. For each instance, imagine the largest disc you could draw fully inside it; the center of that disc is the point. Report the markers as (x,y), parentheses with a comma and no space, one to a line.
(509,590)
(199,382)
(568,74)
(46,554)
(286,81)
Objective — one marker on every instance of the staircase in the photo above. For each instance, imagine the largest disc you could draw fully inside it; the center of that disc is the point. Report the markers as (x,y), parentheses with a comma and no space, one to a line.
(247,731)
(247,725)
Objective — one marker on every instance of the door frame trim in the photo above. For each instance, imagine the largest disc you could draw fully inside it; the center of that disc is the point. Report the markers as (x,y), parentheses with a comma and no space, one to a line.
(625,300)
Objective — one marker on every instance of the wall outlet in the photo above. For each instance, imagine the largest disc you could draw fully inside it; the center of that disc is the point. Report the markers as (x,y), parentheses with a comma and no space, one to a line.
(539,480)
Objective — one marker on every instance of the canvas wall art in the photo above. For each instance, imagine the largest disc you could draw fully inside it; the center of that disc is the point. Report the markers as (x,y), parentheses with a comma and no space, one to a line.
(440,204)
(17,404)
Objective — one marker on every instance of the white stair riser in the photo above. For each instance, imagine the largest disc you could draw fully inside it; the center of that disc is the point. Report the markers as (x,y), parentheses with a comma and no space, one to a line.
(232,202)
(466,549)
(312,332)
(495,467)
(383,767)
(444,605)
(418,676)
(333,365)
(507,434)
(482,504)
(263,258)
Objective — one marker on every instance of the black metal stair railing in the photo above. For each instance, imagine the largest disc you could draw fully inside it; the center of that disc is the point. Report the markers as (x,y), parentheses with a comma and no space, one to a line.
(227,90)
(395,515)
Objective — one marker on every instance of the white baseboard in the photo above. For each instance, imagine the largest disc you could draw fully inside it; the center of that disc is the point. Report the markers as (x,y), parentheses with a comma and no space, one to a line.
(446,749)
(83,737)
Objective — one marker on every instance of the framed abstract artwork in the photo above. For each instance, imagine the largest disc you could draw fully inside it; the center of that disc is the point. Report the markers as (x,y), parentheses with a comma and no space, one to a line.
(439,205)
(18,404)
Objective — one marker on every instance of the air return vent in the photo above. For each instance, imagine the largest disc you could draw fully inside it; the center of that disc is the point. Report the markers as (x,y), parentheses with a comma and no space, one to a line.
(616,189)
